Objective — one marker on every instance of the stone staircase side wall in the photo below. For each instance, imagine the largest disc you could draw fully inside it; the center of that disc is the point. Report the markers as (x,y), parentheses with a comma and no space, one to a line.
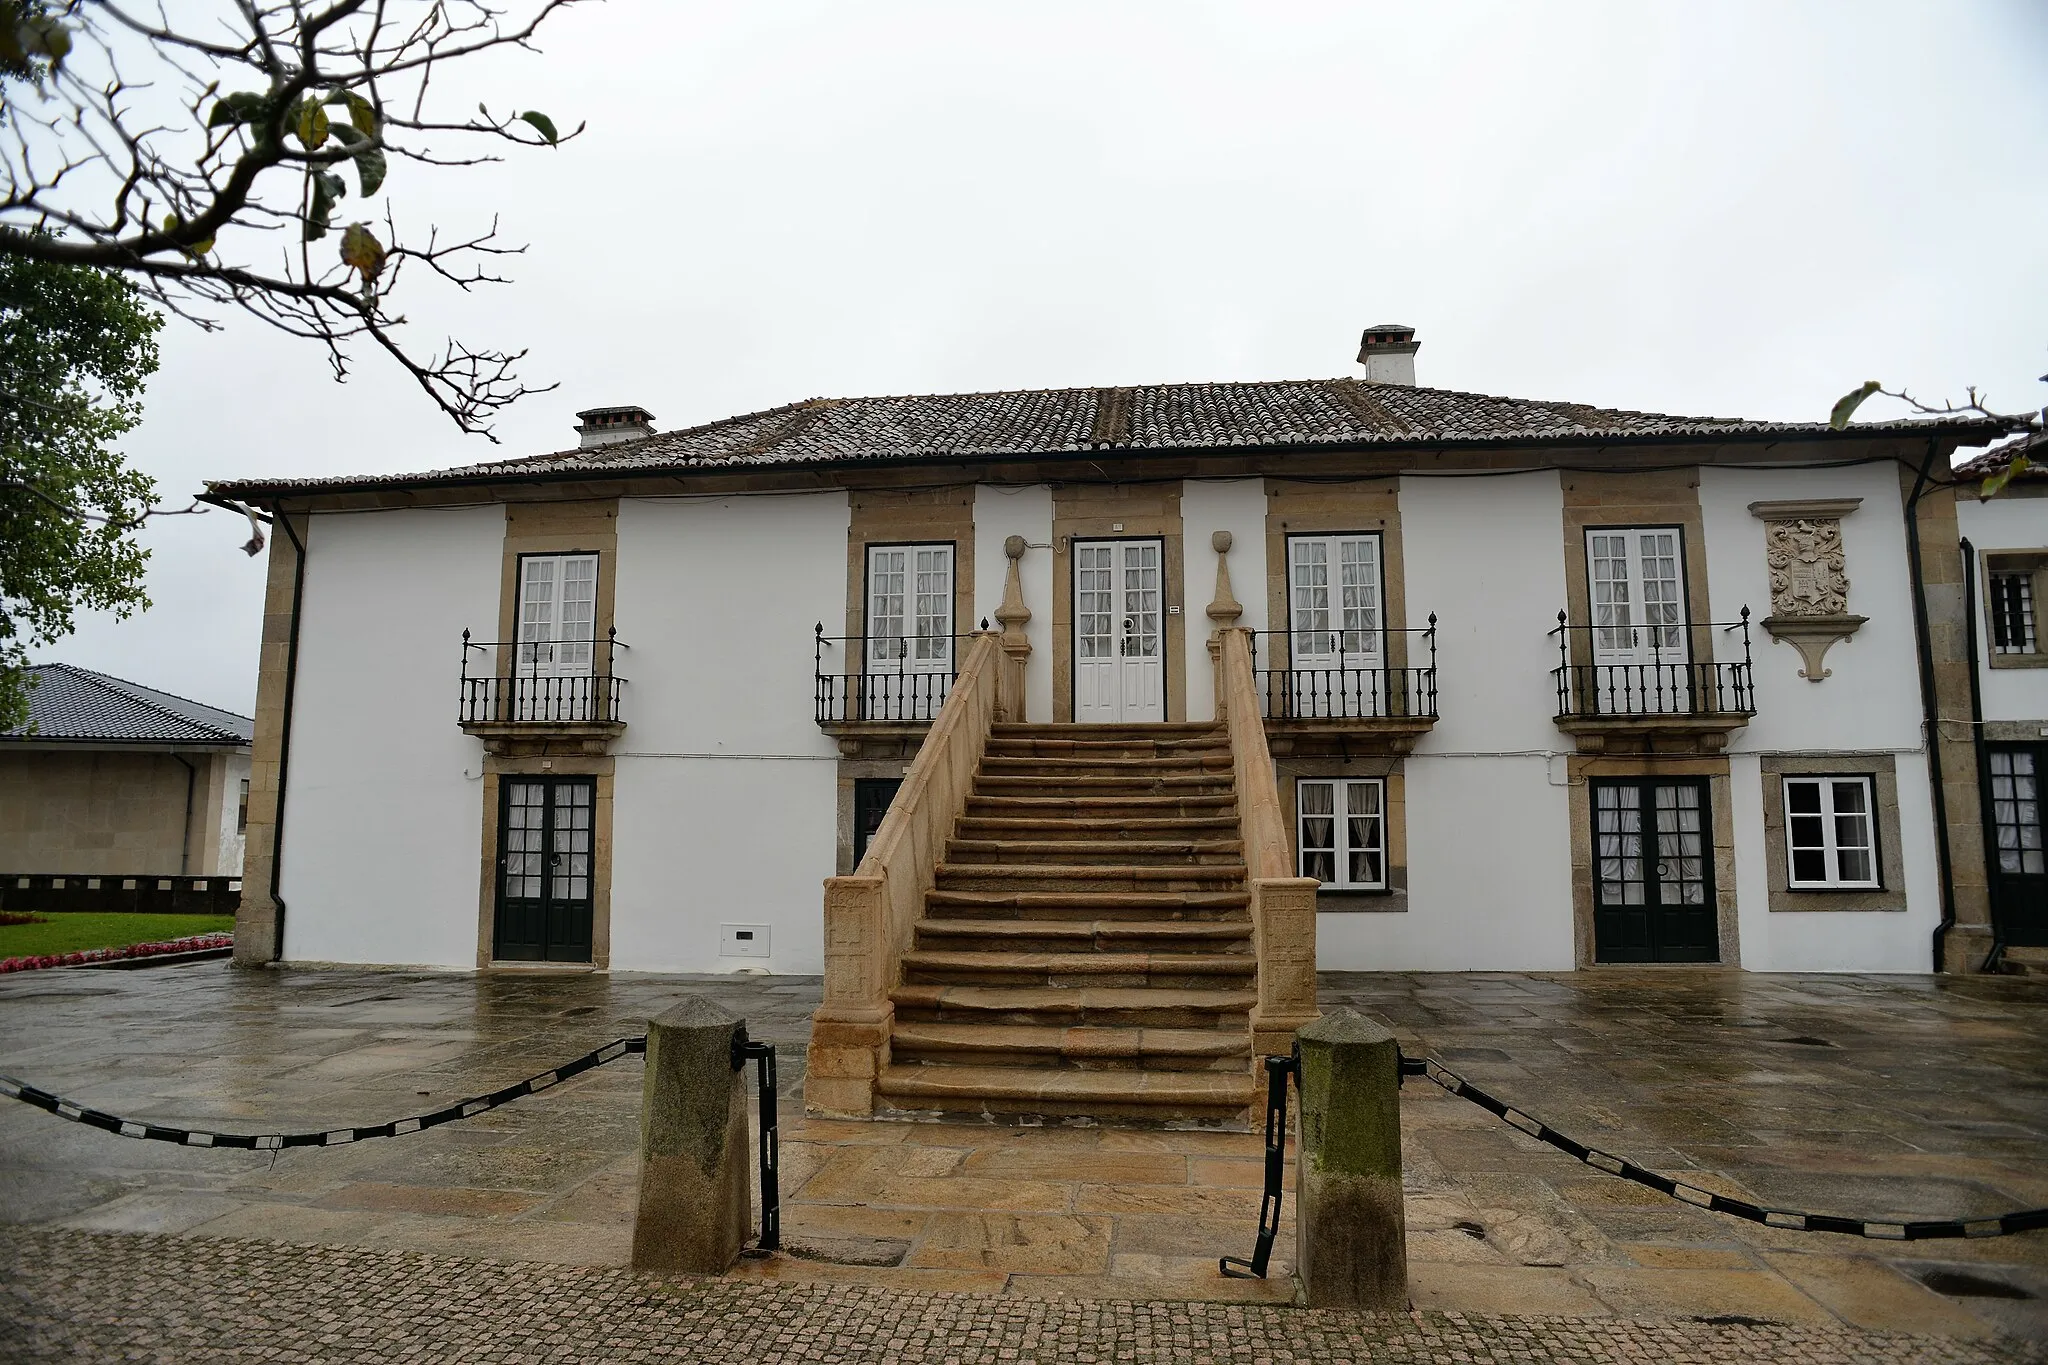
(871,916)
(1283,906)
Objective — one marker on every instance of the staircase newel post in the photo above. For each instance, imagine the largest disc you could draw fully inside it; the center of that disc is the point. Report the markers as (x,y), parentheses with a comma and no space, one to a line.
(850,1031)
(1013,616)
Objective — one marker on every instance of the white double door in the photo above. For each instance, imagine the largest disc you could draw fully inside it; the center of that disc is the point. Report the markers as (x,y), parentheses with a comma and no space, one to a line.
(1119,631)
(557,645)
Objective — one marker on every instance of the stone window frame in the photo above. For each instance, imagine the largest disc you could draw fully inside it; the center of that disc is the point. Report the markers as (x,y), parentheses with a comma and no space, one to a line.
(1388,769)
(1997,562)
(1882,770)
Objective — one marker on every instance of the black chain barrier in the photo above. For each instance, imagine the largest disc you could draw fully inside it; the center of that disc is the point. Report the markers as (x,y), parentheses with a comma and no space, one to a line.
(335,1137)
(1278,1069)
(2002,1225)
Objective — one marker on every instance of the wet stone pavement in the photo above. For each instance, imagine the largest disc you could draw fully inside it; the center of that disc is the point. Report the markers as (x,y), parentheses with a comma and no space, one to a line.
(1908,1097)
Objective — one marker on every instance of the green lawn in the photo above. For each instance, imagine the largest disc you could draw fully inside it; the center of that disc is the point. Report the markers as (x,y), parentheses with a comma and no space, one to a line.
(67,933)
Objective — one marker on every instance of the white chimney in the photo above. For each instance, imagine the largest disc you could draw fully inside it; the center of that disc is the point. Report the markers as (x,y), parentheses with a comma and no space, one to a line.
(1387,350)
(605,426)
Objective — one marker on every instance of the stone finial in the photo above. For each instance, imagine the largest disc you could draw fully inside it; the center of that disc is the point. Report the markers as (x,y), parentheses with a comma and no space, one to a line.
(1014,547)
(1225,610)
(1013,615)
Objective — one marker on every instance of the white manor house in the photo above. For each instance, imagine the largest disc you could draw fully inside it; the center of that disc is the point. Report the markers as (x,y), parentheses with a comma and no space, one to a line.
(1059,725)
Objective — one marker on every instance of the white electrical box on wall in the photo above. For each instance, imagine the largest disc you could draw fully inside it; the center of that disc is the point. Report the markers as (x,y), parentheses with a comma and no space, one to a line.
(743,940)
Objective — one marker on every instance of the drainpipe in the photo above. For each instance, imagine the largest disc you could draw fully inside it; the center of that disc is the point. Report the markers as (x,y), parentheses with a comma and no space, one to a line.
(1991,961)
(1930,710)
(185,846)
(284,739)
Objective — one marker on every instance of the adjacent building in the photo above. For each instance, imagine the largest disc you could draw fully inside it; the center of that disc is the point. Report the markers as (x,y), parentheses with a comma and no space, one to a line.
(111,779)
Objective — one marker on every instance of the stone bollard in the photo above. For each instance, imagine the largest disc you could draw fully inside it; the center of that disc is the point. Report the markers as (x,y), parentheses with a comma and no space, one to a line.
(695,1208)
(1351,1247)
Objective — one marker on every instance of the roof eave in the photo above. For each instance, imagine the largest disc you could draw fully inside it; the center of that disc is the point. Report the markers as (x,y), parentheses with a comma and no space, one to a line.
(1960,432)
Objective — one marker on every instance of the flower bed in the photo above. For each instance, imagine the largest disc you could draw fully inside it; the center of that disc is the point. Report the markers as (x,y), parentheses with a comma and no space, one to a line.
(195,944)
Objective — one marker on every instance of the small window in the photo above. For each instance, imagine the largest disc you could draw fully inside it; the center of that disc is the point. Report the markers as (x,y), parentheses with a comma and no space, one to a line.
(1830,832)
(1342,830)
(871,798)
(242,811)
(2012,613)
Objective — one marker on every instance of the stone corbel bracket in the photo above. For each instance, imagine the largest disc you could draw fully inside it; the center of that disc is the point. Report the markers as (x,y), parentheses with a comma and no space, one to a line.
(1809,585)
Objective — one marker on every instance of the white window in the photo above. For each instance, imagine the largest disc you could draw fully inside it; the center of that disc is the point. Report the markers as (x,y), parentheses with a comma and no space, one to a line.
(2012,613)
(1638,596)
(557,615)
(1830,832)
(910,608)
(1334,600)
(1342,829)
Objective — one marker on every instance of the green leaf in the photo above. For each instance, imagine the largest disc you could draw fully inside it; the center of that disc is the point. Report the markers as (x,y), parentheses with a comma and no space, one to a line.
(244,106)
(327,191)
(1994,483)
(1846,405)
(42,36)
(362,115)
(542,124)
(361,251)
(311,124)
(370,163)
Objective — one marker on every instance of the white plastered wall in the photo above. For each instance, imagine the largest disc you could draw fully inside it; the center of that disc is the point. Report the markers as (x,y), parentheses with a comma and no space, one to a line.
(1002,511)
(1488,814)
(1206,507)
(229,849)
(384,791)
(725,797)
(1871,703)
(2007,523)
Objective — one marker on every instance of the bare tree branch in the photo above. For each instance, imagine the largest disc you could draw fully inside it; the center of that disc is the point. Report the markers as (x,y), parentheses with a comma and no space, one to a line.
(259,115)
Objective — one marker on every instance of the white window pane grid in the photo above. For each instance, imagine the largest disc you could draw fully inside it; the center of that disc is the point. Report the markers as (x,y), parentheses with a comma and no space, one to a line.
(1141,600)
(886,573)
(1830,836)
(1662,609)
(1612,603)
(2016,811)
(2012,614)
(1094,595)
(1343,832)
(1346,620)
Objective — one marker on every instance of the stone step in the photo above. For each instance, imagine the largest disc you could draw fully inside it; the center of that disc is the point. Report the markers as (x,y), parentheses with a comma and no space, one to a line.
(1105,807)
(1074,905)
(1090,1049)
(1080,827)
(1179,729)
(1010,967)
(1088,877)
(1103,1006)
(1203,746)
(1155,1096)
(1082,935)
(1140,784)
(1000,765)
(1121,852)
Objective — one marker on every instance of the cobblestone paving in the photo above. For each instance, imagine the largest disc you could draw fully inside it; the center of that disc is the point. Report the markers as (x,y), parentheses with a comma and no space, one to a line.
(88,1297)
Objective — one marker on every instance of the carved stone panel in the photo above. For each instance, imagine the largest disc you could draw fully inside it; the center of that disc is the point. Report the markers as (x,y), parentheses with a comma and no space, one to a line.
(1809,577)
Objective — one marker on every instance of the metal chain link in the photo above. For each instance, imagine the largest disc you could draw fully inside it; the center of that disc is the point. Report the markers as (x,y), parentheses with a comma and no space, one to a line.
(2003,1225)
(270,1142)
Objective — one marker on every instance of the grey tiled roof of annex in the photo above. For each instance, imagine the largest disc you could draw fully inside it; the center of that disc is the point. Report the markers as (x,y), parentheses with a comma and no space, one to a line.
(2035,446)
(70,703)
(1335,413)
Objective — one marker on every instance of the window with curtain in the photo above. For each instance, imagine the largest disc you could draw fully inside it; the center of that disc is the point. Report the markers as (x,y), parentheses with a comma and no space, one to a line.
(1341,827)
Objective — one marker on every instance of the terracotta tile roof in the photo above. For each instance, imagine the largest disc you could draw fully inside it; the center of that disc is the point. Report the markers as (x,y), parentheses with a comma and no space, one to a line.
(1308,413)
(79,704)
(2034,443)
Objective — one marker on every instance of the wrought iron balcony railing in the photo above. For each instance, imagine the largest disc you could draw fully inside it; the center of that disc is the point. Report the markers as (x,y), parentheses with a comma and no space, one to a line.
(883,678)
(541,682)
(1648,670)
(1344,675)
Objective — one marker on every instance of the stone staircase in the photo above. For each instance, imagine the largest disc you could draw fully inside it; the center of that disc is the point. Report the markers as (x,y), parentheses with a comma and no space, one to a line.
(1087,947)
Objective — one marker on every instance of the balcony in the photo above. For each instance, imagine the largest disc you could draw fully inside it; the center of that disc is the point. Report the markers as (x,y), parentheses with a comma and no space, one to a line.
(1624,688)
(1346,691)
(530,693)
(879,692)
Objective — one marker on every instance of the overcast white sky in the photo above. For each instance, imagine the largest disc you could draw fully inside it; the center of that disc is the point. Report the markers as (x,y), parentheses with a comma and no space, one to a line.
(1736,209)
